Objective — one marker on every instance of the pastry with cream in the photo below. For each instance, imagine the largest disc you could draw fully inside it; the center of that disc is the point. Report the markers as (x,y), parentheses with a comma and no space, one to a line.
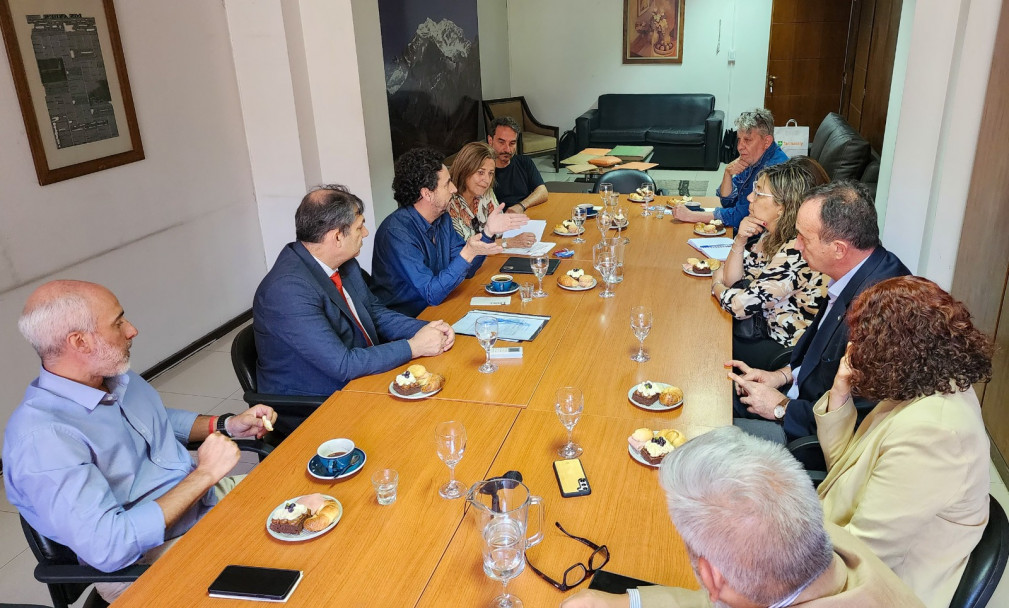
(646,393)
(289,518)
(655,449)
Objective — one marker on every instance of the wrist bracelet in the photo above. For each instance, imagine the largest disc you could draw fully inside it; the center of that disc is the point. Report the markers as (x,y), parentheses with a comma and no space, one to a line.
(523,205)
(734,250)
(783,375)
(212,426)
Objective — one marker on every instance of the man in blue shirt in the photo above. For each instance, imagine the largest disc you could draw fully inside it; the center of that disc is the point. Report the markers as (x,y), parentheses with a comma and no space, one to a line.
(93,458)
(419,258)
(757,151)
(517,182)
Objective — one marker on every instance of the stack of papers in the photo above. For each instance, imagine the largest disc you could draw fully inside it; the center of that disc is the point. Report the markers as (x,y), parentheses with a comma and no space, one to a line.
(712,247)
(538,248)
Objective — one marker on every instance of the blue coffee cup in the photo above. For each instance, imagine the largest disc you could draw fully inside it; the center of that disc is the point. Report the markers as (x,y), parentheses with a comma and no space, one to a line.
(335,454)
(501,282)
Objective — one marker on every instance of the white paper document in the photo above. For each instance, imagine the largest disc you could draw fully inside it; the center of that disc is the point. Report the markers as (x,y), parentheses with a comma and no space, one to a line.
(512,327)
(712,247)
(537,227)
(482,301)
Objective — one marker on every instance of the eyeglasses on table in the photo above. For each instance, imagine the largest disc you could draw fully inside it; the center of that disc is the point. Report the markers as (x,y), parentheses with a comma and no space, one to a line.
(576,574)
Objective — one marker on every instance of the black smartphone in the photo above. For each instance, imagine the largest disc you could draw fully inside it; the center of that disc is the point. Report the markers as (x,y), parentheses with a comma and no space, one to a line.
(571,478)
(250,582)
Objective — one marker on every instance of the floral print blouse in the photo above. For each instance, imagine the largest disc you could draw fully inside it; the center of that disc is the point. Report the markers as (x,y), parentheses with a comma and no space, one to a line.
(783,288)
(462,214)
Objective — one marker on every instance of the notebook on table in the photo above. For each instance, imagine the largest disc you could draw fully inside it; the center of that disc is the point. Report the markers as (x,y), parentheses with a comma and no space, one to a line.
(518,265)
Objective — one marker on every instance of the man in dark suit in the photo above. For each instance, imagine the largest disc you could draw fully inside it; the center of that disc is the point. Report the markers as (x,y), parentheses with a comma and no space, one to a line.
(838,236)
(317,325)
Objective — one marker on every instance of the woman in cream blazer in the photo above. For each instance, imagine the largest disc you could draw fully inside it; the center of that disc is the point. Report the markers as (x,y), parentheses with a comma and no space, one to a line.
(912,480)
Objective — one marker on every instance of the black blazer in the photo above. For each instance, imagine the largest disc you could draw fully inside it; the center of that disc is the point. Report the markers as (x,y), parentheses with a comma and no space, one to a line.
(820,349)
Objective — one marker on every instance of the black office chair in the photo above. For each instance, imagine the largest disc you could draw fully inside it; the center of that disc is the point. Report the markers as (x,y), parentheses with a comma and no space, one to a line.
(986,563)
(625,181)
(807,451)
(291,410)
(67,579)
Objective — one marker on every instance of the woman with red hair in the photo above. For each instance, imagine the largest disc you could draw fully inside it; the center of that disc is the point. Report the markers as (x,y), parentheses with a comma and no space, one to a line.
(912,480)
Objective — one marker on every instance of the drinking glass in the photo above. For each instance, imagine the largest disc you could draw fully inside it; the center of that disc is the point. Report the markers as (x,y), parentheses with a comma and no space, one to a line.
(450,441)
(569,405)
(526,292)
(578,215)
(539,266)
(617,246)
(643,191)
(641,322)
(605,190)
(504,546)
(486,334)
(385,482)
(622,213)
(603,220)
(605,262)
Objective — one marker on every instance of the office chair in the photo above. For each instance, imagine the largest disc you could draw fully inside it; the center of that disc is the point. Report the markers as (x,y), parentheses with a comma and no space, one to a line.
(291,410)
(986,563)
(625,181)
(536,138)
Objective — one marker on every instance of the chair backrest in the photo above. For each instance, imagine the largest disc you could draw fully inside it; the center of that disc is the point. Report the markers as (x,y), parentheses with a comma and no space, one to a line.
(243,358)
(986,563)
(624,181)
(51,553)
(493,108)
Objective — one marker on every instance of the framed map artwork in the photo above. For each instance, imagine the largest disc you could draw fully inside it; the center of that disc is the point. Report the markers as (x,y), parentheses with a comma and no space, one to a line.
(653,31)
(70,75)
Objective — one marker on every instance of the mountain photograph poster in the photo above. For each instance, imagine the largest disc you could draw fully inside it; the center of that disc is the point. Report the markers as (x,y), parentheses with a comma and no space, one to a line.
(432,73)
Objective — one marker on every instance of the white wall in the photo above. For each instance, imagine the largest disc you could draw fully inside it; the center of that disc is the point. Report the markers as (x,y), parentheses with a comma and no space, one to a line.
(565,53)
(492,17)
(938,119)
(175,236)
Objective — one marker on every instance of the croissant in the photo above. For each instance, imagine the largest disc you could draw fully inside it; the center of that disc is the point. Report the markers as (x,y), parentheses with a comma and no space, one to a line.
(433,383)
(326,515)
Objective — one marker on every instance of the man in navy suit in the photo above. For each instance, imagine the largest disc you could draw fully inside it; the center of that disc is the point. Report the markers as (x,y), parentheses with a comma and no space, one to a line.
(838,236)
(317,325)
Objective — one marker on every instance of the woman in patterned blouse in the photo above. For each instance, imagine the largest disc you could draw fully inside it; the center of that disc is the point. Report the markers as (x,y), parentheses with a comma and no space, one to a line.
(765,274)
(473,174)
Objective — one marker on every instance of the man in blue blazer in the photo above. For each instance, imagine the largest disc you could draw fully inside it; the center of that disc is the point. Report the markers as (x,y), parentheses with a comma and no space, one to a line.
(838,236)
(317,325)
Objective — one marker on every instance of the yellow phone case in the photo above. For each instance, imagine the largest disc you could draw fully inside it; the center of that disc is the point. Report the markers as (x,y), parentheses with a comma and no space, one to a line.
(571,478)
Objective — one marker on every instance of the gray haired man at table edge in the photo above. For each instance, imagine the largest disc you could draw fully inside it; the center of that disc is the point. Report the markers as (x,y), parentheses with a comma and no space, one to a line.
(753,527)
(317,325)
(838,236)
(95,461)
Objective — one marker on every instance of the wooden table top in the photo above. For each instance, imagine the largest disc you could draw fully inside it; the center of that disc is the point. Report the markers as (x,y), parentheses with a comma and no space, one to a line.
(423,551)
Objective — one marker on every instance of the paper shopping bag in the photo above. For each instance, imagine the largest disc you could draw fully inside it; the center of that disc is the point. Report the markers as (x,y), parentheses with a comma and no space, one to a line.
(792,139)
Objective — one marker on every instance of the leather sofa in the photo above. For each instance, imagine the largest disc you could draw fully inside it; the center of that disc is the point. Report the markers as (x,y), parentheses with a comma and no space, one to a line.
(844,153)
(685,130)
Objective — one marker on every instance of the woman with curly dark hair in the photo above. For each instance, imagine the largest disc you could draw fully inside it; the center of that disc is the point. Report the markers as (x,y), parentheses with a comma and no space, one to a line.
(912,480)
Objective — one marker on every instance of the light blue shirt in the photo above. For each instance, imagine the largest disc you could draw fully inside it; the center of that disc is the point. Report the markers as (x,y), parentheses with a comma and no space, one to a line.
(84,466)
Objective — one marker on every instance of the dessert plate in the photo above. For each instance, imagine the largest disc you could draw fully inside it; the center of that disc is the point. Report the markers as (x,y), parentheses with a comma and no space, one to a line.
(579,288)
(318,471)
(304,534)
(688,269)
(580,231)
(511,290)
(415,396)
(718,232)
(621,226)
(657,406)
(636,455)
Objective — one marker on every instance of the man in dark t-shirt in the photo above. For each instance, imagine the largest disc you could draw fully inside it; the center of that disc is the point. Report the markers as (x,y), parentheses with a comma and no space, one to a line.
(517,181)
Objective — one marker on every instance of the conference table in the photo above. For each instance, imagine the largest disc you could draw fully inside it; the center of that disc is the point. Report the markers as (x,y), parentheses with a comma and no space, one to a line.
(424,550)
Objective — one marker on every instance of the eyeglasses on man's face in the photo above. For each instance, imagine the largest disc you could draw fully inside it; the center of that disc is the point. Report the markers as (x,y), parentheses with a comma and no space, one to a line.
(576,574)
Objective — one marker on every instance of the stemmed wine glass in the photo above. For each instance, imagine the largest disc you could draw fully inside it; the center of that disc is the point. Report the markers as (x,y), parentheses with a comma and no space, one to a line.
(539,266)
(486,334)
(504,546)
(603,220)
(604,260)
(622,222)
(647,193)
(641,322)
(450,441)
(569,405)
(605,190)
(578,215)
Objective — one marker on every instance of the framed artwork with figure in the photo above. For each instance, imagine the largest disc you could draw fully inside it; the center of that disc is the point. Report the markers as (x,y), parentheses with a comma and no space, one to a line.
(653,31)
(70,76)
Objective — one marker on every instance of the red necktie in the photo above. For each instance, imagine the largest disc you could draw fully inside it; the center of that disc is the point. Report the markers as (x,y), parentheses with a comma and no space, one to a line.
(339,288)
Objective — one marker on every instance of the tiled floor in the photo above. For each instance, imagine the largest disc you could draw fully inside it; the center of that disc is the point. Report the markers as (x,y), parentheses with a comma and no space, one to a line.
(206,383)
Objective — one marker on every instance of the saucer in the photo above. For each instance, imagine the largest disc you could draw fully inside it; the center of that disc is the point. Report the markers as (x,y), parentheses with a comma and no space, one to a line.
(304,534)
(316,469)
(510,290)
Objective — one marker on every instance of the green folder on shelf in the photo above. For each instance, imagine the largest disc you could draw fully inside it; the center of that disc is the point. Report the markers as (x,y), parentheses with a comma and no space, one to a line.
(631,153)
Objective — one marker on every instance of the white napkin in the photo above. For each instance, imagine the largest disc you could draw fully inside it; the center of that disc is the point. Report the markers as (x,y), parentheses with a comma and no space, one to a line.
(482,301)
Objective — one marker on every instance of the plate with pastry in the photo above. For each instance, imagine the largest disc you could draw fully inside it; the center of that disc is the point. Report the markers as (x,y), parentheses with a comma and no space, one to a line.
(712,228)
(655,396)
(649,446)
(576,279)
(639,196)
(318,470)
(416,383)
(701,267)
(619,221)
(568,228)
(304,517)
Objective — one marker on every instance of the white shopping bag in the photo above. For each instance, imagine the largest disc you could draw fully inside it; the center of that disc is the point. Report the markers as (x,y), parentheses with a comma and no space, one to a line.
(792,139)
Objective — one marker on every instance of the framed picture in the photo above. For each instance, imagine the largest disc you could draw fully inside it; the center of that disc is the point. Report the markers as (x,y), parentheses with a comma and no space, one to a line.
(653,31)
(70,76)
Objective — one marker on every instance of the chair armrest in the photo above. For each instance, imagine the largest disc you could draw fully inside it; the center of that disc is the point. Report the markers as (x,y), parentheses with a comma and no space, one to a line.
(713,139)
(74,573)
(808,451)
(584,125)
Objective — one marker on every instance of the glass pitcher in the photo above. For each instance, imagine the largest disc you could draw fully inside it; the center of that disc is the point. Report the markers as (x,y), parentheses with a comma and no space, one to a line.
(499,499)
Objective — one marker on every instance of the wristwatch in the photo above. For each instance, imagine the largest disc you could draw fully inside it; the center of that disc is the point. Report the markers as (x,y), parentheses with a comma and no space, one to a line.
(221,428)
(779,410)
(504,244)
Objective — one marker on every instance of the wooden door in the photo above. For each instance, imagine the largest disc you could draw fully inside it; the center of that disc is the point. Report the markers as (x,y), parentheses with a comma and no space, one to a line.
(982,264)
(805,60)
(872,43)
